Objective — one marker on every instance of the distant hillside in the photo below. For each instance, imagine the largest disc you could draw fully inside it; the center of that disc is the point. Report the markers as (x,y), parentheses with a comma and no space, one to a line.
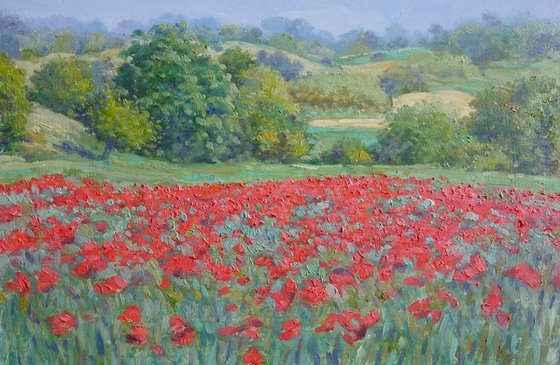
(308,66)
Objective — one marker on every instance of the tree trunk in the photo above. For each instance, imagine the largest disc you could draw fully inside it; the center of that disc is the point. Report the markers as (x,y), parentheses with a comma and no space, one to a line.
(108,149)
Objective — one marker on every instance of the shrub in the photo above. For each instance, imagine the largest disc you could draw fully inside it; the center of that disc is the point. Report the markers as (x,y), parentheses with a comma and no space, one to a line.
(120,124)
(333,91)
(281,63)
(347,151)
(422,134)
(402,79)
(268,117)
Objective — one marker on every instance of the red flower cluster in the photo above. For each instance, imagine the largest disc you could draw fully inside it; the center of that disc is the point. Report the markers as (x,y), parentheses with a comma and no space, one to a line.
(343,247)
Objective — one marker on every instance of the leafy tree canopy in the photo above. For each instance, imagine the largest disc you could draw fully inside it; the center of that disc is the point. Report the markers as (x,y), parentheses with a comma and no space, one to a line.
(171,75)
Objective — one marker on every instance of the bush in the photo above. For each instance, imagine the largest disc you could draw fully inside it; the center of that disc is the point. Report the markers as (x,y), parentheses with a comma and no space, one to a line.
(330,92)
(64,85)
(13,104)
(422,134)
(402,79)
(281,63)
(268,117)
(120,124)
(347,151)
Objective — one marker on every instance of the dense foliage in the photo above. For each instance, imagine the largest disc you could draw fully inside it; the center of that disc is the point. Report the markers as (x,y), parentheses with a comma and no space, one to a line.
(347,151)
(13,104)
(189,94)
(237,61)
(120,124)
(64,85)
(268,116)
(523,118)
(421,134)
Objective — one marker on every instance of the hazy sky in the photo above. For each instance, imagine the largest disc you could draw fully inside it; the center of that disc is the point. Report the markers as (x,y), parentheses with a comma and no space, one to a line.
(336,16)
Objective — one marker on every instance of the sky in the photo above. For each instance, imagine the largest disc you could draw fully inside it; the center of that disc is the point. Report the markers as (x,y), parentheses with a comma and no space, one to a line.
(336,16)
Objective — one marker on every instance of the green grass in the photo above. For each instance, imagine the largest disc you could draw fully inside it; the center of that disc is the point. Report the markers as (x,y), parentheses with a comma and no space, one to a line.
(128,168)
(328,136)
(392,55)
(511,70)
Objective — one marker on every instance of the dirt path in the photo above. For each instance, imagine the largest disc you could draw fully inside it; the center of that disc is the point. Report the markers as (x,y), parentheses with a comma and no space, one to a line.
(376,123)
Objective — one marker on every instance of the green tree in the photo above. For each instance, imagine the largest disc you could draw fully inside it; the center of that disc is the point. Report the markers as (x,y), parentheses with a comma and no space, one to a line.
(171,75)
(13,104)
(522,118)
(64,85)
(483,43)
(120,124)
(422,134)
(237,61)
(268,116)
(232,32)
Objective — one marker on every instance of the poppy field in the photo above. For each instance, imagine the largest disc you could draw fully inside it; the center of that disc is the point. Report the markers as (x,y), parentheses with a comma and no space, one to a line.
(332,270)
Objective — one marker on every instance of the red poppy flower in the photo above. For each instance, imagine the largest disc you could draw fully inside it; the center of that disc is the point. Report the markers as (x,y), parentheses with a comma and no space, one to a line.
(231,330)
(492,301)
(291,329)
(138,335)
(183,333)
(314,293)
(526,274)
(112,285)
(20,283)
(443,295)
(164,283)
(503,318)
(47,279)
(157,350)
(130,314)
(62,323)
(101,226)
(231,307)
(253,357)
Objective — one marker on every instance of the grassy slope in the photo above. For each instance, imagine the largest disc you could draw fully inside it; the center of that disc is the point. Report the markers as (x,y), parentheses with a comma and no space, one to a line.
(308,66)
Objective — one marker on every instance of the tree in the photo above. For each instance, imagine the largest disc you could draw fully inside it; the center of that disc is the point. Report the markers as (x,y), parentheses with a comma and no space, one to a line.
(421,134)
(237,61)
(523,119)
(268,116)
(483,44)
(13,104)
(10,45)
(171,75)
(231,32)
(64,85)
(120,124)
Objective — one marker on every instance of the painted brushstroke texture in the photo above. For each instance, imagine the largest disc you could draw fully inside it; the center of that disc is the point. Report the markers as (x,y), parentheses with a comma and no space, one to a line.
(340,269)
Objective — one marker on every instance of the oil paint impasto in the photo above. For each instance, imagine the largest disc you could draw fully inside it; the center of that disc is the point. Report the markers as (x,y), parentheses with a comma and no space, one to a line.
(279,182)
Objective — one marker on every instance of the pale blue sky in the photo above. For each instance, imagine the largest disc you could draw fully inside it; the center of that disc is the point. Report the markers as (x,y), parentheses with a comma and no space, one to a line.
(336,16)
